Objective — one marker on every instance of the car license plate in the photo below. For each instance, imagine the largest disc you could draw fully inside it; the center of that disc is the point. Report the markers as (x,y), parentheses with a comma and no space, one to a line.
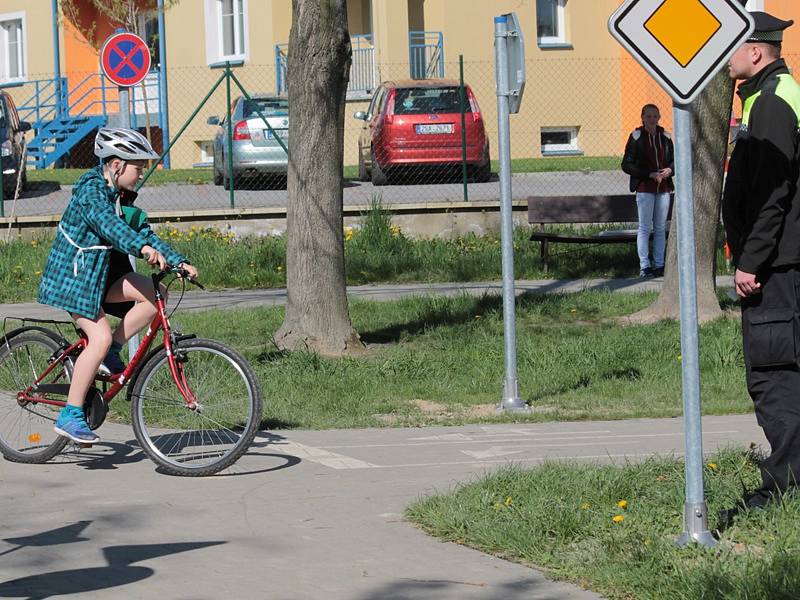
(434,128)
(282,133)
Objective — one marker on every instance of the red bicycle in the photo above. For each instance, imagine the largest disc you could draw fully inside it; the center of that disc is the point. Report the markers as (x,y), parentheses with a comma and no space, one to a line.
(195,403)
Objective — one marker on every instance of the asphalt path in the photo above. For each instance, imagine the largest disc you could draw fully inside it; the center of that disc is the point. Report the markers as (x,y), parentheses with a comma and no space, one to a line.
(48,198)
(308,515)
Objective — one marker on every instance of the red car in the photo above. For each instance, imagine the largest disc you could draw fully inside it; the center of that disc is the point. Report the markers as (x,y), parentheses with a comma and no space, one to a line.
(417,123)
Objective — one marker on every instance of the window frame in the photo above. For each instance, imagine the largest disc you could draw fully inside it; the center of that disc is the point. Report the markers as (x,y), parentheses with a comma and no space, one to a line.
(239,30)
(215,50)
(22,61)
(570,149)
(555,41)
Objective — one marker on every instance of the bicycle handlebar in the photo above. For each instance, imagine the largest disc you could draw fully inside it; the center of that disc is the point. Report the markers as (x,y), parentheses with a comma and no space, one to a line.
(182,273)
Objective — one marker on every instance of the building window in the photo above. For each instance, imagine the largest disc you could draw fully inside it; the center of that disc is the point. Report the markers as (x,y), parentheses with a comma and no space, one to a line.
(12,47)
(226,30)
(550,22)
(231,22)
(560,140)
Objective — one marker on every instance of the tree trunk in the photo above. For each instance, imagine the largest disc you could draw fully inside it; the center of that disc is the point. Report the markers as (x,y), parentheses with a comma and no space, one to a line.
(317,317)
(710,126)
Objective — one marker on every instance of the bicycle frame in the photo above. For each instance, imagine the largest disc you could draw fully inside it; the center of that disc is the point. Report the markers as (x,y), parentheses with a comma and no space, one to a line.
(160,322)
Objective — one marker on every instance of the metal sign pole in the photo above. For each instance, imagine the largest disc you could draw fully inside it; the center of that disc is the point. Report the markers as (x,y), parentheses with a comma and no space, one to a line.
(125,121)
(511,399)
(695,511)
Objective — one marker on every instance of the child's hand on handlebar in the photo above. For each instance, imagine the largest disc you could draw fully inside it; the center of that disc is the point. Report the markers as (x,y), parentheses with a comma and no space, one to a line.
(154,258)
(191,272)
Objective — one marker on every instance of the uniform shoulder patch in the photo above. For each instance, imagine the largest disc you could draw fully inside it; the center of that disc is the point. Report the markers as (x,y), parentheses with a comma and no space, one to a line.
(637,133)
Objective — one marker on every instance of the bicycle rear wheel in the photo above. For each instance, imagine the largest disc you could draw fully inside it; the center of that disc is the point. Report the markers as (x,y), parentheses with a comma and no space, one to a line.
(26,428)
(206,440)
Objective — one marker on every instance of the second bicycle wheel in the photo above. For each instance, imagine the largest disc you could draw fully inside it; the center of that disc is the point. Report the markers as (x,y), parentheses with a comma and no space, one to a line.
(202,441)
(26,428)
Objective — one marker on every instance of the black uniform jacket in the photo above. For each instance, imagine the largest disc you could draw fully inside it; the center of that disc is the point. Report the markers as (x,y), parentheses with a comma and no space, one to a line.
(760,204)
(634,162)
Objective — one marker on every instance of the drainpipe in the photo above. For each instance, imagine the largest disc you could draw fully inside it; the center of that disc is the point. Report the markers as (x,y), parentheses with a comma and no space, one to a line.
(56,58)
(163,101)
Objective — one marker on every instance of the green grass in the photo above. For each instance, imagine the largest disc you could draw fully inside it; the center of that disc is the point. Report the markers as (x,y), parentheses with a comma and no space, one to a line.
(559,517)
(159,177)
(574,361)
(377,252)
(204,175)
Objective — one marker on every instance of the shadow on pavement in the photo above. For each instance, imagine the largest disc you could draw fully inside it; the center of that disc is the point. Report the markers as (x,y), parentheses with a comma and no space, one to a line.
(36,189)
(119,570)
(434,589)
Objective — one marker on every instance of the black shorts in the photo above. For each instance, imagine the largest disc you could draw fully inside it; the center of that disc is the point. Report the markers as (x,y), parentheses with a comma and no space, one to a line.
(119,266)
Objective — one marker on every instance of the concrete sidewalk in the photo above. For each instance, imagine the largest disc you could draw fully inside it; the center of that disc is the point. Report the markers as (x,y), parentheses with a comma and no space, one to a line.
(195,300)
(308,515)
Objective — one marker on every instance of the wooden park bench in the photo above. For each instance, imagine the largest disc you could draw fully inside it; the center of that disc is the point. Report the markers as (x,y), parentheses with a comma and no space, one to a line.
(573,210)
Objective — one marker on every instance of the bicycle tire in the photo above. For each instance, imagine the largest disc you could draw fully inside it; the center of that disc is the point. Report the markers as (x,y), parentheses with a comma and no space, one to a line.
(228,393)
(25,427)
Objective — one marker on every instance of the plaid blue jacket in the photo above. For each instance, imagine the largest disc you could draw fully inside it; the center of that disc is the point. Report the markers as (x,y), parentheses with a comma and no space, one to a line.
(90,219)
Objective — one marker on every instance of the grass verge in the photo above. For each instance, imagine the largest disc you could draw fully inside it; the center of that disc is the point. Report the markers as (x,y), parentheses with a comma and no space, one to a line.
(612,528)
(439,360)
(204,175)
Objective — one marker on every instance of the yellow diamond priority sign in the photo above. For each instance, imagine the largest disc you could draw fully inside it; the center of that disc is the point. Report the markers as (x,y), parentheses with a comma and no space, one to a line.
(681,43)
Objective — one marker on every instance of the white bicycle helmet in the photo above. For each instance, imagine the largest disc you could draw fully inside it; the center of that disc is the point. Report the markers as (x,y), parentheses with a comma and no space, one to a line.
(126,144)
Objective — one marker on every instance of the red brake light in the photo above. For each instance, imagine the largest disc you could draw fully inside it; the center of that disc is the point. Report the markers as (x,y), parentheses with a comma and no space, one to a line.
(389,116)
(476,111)
(241,131)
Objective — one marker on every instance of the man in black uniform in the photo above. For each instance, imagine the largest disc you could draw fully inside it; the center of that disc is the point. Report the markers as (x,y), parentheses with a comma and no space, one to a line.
(761,211)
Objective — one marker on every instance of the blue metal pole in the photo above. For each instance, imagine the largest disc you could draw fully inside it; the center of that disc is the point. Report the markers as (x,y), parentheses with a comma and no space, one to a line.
(56,58)
(163,100)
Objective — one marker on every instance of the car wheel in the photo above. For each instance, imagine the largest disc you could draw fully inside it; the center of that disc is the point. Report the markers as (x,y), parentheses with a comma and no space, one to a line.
(217,176)
(363,175)
(483,173)
(226,181)
(378,175)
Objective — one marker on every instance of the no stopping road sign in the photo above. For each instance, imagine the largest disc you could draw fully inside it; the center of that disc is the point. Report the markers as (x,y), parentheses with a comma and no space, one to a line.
(125,59)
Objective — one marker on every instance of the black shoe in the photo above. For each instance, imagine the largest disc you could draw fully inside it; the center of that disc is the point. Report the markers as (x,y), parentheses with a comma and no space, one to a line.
(658,272)
(646,273)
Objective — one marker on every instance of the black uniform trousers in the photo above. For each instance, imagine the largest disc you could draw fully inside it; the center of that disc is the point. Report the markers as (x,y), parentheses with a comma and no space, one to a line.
(771,342)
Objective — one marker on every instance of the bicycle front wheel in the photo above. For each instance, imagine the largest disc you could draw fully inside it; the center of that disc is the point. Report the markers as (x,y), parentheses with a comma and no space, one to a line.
(26,428)
(211,437)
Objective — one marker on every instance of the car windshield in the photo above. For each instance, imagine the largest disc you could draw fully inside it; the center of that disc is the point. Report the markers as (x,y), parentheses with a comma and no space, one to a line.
(268,107)
(420,101)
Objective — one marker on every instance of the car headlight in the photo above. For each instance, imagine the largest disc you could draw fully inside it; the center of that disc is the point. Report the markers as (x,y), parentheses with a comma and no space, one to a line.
(6,148)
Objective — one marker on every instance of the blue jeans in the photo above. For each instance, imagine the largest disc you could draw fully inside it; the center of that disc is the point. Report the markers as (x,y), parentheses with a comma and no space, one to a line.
(653,209)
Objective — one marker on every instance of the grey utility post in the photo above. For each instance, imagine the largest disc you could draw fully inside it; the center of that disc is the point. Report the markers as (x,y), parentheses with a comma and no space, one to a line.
(683,65)
(510,74)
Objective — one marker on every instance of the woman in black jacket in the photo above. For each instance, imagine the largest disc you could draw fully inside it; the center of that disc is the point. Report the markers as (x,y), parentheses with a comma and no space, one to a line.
(650,161)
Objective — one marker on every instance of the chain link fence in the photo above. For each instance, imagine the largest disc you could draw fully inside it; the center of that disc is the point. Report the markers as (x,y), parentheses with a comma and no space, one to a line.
(413,142)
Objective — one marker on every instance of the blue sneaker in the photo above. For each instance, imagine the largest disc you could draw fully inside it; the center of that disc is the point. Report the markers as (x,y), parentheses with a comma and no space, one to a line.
(72,424)
(112,364)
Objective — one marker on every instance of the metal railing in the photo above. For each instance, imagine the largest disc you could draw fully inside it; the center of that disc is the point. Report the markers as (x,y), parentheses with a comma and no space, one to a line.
(363,75)
(47,102)
(426,54)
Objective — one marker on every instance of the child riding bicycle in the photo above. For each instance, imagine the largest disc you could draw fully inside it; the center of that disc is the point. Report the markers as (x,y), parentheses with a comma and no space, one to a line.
(88,272)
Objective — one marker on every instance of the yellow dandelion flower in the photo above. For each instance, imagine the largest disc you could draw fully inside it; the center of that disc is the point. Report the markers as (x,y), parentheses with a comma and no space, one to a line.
(713,466)
(618,518)
(623,504)
(648,542)
(279,268)
(37,273)
(509,501)
(34,243)
(586,506)
(498,505)
(573,310)
(680,357)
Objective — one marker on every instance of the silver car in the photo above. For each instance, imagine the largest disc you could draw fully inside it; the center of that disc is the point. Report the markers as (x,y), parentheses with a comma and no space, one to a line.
(255,149)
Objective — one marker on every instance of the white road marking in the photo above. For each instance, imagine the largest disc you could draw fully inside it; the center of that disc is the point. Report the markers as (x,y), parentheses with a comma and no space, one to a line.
(318,455)
(561,436)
